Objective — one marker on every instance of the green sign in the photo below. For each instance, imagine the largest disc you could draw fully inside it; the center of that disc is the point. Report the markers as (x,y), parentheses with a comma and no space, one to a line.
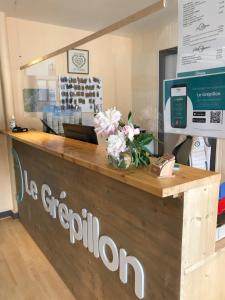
(195,105)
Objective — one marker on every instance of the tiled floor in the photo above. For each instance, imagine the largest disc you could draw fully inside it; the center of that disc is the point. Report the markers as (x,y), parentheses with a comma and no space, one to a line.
(25,273)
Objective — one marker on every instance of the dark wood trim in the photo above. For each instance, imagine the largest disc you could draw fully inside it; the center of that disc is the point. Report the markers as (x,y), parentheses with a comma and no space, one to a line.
(9,213)
(15,215)
(5,214)
(213,142)
(162,58)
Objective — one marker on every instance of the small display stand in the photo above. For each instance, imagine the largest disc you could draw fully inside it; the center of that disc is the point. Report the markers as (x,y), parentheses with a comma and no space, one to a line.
(163,166)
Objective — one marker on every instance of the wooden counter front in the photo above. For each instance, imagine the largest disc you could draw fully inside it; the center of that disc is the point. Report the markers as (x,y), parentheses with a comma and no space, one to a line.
(168,225)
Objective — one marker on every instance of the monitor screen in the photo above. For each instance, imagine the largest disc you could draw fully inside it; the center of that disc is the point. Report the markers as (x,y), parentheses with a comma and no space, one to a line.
(81,133)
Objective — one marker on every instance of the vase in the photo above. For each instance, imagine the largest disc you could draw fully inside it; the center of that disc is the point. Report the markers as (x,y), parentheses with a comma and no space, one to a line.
(124,161)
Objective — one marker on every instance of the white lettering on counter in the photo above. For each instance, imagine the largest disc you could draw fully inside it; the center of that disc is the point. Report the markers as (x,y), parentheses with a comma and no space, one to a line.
(32,189)
(86,228)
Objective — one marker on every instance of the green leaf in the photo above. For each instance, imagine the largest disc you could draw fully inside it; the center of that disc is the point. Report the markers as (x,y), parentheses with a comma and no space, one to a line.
(143,161)
(146,149)
(136,160)
(146,140)
(130,117)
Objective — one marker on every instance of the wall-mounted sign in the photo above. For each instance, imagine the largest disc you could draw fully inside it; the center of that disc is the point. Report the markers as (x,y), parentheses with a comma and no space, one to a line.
(85,92)
(78,61)
(85,228)
(195,106)
(201,43)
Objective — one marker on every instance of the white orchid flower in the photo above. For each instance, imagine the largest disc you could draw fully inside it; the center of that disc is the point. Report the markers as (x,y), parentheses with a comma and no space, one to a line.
(106,123)
(116,144)
(130,131)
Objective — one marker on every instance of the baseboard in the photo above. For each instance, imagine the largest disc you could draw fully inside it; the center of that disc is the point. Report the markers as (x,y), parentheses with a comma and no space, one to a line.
(8,213)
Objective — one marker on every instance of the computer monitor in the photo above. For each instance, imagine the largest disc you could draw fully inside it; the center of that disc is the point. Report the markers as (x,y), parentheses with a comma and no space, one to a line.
(80,132)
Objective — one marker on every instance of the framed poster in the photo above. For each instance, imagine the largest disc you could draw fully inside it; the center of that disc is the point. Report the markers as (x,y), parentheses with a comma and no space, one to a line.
(78,61)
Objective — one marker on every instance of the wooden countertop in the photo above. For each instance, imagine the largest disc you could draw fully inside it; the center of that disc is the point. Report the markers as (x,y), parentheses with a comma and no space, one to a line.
(94,158)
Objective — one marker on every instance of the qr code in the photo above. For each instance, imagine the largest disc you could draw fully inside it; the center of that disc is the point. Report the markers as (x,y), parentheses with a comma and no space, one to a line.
(216,116)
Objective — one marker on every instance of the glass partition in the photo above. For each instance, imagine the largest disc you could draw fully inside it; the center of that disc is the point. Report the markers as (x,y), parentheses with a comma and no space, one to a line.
(118,69)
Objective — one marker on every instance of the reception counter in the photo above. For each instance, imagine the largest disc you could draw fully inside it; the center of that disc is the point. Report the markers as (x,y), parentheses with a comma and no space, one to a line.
(116,234)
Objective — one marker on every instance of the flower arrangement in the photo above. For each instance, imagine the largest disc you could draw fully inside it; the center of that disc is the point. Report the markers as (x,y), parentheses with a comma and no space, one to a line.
(126,144)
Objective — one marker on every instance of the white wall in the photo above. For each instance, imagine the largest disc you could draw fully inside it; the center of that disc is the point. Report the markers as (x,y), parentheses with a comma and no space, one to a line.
(145,71)
(6,198)
(110,58)
(6,202)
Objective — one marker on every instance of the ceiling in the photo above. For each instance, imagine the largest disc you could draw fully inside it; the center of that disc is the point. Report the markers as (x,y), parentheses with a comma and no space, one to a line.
(86,14)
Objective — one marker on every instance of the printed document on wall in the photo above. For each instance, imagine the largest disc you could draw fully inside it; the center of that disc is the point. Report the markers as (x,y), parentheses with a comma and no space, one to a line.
(201,40)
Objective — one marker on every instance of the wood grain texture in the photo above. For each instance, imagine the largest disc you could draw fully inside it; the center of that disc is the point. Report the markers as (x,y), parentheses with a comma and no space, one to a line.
(25,273)
(94,158)
(147,226)
(153,8)
(199,224)
(206,281)
(203,260)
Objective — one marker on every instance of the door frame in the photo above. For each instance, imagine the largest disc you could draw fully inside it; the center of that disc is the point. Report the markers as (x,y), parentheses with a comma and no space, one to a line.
(162,62)
(162,59)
